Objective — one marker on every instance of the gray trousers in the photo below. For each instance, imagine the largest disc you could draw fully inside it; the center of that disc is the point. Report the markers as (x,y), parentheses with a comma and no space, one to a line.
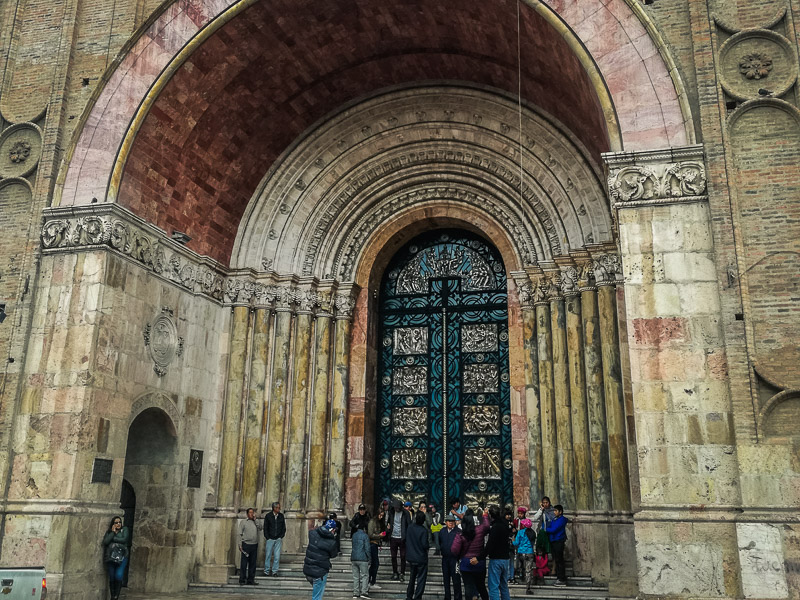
(360,577)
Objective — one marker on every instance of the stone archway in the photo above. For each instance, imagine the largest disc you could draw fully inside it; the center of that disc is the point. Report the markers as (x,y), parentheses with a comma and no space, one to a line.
(154,474)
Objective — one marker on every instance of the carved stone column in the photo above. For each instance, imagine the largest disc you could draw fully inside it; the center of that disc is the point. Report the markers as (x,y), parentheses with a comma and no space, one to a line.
(345,303)
(566,460)
(595,393)
(577,389)
(318,430)
(279,389)
(256,402)
(295,465)
(606,270)
(547,404)
(531,372)
(229,463)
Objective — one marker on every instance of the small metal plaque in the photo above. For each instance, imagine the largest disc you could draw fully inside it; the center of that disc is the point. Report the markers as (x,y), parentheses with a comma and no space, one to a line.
(410,380)
(481,378)
(482,420)
(410,463)
(482,463)
(480,337)
(410,340)
(410,421)
(101,470)
(195,468)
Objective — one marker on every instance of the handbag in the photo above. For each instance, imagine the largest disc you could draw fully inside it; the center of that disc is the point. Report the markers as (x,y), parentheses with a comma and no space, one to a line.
(119,553)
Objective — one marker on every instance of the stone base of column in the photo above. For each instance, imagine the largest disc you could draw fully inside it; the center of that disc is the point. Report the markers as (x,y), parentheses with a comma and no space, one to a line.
(216,533)
(603,548)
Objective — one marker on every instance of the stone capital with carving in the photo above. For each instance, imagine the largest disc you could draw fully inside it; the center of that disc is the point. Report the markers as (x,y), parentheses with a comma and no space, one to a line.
(586,282)
(607,269)
(650,178)
(569,281)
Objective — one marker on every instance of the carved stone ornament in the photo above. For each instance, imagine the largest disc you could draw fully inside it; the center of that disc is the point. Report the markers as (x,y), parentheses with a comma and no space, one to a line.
(569,281)
(755,65)
(162,341)
(607,269)
(113,228)
(750,56)
(652,178)
(525,294)
(20,149)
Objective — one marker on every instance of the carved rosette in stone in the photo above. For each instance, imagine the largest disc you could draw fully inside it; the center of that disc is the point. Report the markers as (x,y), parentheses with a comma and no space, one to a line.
(754,60)
(162,341)
(20,150)
(651,178)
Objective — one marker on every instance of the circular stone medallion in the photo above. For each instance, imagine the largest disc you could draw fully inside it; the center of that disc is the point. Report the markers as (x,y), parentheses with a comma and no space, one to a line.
(20,148)
(757,60)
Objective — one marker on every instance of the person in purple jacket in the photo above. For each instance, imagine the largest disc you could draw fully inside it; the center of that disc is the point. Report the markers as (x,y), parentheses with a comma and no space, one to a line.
(468,547)
(557,532)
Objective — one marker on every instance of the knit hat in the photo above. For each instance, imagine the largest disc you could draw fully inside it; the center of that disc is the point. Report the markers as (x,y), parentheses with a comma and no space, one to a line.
(522,509)
(526,523)
(330,524)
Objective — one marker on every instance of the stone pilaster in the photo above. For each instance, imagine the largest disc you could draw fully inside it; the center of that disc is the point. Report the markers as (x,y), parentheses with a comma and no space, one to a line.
(606,269)
(686,540)
(595,393)
(547,407)
(296,465)
(229,464)
(345,303)
(577,389)
(279,389)
(565,460)
(256,402)
(531,374)
(318,429)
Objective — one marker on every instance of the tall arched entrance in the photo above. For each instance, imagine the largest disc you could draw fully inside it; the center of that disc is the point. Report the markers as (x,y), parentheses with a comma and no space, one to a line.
(443,395)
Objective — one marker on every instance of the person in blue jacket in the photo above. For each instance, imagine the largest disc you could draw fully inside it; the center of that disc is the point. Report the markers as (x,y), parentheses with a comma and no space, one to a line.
(557,532)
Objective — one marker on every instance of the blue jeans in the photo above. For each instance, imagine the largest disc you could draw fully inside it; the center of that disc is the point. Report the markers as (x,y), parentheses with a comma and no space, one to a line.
(498,579)
(511,567)
(116,571)
(273,550)
(318,587)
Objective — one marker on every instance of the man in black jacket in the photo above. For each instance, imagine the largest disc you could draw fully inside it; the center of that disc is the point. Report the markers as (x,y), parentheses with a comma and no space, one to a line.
(321,549)
(274,531)
(396,525)
(497,551)
(447,536)
(417,556)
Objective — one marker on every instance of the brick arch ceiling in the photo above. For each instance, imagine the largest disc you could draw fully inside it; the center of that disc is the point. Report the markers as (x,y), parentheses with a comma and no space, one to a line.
(255,85)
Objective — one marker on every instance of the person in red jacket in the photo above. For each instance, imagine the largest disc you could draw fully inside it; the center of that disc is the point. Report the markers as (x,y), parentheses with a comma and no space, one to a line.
(469,547)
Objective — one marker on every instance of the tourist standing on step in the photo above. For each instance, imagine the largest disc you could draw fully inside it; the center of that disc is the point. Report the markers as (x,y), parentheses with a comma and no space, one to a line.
(397,524)
(457,510)
(497,552)
(469,546)
(359,560)
(362,516)
(317,563)
(417,546)
(541,519)
(274,532)
(248,548)
(525,542)
(377,533)
(557,532)
(447,538)
(436,526)
(337,532)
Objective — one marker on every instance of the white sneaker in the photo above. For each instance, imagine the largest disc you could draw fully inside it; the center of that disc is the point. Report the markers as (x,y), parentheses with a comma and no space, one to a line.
(375,586)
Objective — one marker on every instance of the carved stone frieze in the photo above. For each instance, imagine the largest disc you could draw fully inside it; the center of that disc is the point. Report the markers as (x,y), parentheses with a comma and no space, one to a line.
(113,228)
(651,178)
(569,281)
(162,341)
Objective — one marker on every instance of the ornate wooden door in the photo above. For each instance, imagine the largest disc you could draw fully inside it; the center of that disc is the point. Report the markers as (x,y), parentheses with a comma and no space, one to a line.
(444,422)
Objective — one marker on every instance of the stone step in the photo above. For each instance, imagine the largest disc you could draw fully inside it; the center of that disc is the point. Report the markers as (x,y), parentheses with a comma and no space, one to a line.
(344,591)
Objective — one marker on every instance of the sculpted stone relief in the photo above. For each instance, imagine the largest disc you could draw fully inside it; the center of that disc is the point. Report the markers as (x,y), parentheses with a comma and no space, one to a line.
(114,228)
(162,341)
(657,177)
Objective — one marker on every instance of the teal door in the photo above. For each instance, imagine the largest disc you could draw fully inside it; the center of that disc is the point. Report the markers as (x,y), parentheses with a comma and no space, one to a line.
(444,422)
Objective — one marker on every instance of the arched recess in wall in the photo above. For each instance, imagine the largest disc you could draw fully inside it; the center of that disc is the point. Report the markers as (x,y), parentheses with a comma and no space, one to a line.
(115,159)
(765,138)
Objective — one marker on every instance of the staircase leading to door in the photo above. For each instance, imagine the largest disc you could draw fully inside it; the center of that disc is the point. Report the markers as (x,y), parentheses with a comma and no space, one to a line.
(340,582)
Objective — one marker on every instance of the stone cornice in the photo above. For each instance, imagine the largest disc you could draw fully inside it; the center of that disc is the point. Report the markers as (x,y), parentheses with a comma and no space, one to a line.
(114,229)
(655,177)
